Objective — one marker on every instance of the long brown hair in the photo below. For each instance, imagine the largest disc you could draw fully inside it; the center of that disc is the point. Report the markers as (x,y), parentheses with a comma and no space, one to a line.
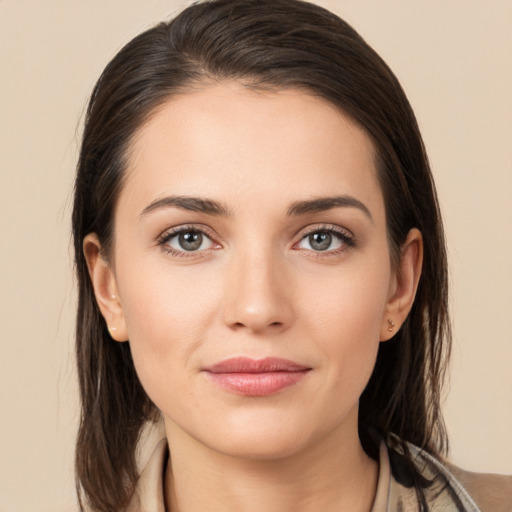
(271,44)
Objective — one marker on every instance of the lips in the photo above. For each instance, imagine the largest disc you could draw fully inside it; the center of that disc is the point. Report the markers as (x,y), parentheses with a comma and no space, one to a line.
(250,377)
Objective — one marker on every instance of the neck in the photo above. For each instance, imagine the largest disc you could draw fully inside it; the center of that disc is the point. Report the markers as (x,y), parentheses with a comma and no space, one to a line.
(332,475)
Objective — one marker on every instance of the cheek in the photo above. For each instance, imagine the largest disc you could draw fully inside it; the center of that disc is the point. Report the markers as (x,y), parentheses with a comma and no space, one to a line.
(160,299)
(345,316)
(349,304)
(167,313)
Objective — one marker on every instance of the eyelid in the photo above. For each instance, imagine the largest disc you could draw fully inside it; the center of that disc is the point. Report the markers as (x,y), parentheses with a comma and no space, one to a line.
(347,237)
(325,227)
(344,234)
(169,233)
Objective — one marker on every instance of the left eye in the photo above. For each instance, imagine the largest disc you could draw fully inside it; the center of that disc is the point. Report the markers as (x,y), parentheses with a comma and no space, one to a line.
(189,240)
(322,241)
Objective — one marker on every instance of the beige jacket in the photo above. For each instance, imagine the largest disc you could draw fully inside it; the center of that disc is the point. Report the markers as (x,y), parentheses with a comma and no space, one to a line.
(454,490)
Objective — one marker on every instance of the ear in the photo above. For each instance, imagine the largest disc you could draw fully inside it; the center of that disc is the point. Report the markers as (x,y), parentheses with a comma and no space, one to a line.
(105,288)
(403,285)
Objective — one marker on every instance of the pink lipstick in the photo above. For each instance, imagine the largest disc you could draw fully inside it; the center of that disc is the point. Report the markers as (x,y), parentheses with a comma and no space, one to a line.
(250,377)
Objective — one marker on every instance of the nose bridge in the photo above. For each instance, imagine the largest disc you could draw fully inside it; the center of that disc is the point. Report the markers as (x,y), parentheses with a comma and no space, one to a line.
(256,295)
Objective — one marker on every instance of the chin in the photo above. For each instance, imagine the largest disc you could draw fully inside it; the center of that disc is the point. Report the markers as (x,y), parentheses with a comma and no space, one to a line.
(260,445)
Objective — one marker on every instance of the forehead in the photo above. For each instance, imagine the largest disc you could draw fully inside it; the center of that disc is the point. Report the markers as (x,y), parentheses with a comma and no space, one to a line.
(225,137)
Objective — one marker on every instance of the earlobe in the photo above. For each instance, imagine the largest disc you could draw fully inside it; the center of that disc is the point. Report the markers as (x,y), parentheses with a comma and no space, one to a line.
(105,288)
(404,285)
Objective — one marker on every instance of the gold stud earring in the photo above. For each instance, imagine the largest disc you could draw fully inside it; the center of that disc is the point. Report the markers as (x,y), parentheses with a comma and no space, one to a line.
(112,329)
(113,296)
(391,325)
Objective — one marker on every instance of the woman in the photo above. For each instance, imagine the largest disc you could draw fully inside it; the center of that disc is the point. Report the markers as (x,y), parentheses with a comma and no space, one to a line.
(261,264)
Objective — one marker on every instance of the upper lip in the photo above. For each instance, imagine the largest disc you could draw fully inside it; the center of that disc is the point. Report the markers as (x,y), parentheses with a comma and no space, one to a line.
(248,365)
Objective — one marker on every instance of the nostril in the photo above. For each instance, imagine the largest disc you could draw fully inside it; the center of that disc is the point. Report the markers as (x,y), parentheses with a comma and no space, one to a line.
(241,325)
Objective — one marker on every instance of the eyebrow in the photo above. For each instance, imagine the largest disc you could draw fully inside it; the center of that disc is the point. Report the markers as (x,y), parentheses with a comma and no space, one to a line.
(322,204)
(194,204)
(211,207)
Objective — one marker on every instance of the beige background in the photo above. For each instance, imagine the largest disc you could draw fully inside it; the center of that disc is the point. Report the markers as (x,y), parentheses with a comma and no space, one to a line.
(454,59)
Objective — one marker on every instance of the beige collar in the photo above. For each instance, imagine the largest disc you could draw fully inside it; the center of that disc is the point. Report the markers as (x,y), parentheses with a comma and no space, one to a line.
(149,494)
(446,494)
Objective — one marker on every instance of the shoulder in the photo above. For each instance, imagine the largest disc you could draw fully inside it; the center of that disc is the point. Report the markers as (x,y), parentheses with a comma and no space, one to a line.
(447,488)
(492,493)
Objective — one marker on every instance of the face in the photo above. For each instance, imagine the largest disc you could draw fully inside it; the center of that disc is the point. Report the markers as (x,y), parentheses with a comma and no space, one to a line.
(251,269)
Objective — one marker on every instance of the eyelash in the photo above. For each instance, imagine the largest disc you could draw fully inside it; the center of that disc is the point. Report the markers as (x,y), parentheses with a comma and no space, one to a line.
(344,236)
(164,239)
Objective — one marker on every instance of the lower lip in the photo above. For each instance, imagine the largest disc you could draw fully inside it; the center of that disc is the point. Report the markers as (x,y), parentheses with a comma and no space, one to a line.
(257,384)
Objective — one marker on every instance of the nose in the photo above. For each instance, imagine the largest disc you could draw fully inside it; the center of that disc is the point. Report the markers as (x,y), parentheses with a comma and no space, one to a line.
(259,293)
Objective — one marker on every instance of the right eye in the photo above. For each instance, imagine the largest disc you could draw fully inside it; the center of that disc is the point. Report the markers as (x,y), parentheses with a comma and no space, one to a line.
(181,241)
(189,241)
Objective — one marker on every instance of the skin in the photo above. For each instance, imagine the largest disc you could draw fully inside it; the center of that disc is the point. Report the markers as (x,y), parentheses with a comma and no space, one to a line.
(257,287)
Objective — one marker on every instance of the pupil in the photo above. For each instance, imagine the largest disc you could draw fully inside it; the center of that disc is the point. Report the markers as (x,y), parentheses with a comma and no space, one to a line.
(320,241)
(191,240)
